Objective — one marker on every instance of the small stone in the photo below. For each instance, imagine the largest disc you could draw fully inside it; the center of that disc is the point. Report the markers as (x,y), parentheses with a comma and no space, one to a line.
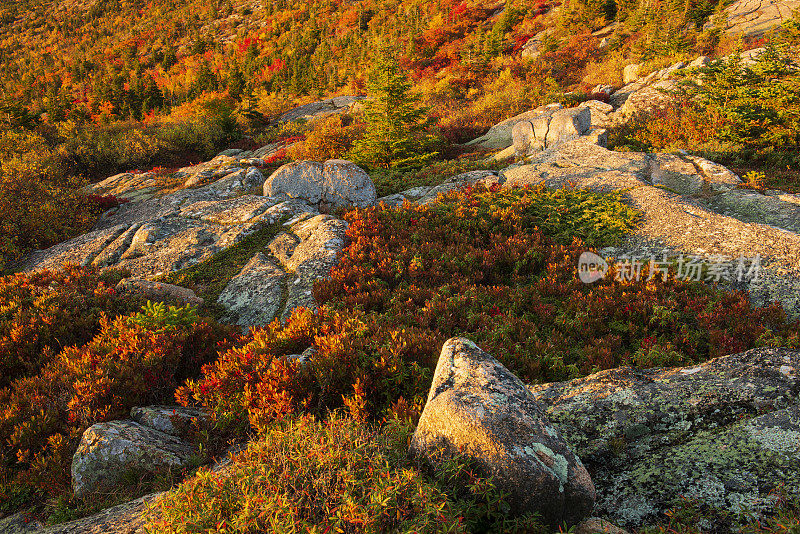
(159,291)
(568,124)
(596,525)
(630,73)
(109,451)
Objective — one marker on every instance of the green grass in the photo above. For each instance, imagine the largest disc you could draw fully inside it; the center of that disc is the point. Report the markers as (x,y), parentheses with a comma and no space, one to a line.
(209,277)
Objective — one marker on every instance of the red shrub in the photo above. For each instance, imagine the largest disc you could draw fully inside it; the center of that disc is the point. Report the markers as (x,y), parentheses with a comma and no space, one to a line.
(40,313)
(478,265)
(127,364)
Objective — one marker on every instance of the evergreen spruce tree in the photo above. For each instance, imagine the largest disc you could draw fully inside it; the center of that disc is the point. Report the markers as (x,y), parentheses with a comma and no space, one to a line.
(396,125)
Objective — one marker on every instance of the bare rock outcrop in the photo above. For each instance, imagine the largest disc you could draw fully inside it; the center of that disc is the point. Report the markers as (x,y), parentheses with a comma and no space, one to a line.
(323,108)
(726,432)
(753,18)
(550,129)
(690,206)
(500,135)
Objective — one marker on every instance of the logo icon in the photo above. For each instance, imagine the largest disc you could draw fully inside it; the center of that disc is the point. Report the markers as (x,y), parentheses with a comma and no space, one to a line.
(591,267)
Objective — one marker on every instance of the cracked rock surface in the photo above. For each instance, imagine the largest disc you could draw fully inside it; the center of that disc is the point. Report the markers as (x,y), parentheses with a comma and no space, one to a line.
(164,231)
(726,431)
(160,235)
(326,186)
(756,17)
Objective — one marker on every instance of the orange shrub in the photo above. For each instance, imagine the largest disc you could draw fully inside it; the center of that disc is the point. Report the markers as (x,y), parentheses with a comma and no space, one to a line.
(42,312)
(330,138)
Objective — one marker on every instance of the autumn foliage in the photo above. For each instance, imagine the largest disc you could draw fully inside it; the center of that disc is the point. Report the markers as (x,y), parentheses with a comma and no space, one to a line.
(497,266)
(135,359)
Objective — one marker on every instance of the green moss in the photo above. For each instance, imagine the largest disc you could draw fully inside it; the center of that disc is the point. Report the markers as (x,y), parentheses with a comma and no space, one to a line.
(209,278)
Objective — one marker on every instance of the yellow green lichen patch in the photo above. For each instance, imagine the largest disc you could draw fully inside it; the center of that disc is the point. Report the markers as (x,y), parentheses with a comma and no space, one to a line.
(730,470)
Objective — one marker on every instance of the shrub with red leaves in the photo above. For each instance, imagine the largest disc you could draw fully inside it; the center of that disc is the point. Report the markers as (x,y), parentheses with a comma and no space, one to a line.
(135,360)
(497,266)
(101,203)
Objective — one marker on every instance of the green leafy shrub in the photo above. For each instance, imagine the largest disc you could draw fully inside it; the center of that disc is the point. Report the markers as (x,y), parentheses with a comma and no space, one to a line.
(41,313)
(43,416)
(333,476)
(203,124)
(755,179)
(157,317)
(740,112)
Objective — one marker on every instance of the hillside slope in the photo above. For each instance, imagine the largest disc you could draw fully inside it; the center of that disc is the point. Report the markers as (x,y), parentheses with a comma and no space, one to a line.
(566,259)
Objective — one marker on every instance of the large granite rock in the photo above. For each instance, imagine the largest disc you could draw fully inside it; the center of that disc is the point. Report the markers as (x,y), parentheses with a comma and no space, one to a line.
(551,129)
(109,451)
(271,286)
(126,518)
(658,89)
(477,406)
(645,93)
(630,73)
(568,124)
(600,112)
(176,230)
(20,523)
(500,135)
(126,186)
(254,296)
(334,184)
(132,517)
(649,98)
(726,432)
